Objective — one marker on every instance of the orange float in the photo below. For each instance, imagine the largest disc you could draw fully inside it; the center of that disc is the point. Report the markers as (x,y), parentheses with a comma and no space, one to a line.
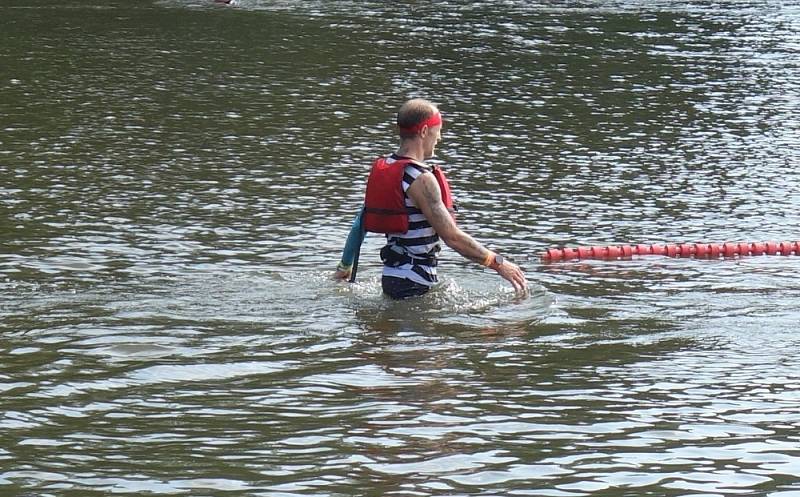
(696,250)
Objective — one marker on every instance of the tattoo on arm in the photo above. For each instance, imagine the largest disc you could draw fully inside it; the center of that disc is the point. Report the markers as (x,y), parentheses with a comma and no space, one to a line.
(440,218)
(434,200)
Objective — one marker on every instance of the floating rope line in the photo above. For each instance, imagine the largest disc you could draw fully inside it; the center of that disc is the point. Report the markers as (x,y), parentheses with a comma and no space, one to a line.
(698,250)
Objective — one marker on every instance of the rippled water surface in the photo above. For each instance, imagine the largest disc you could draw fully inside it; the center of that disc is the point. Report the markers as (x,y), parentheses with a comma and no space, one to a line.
(177,179)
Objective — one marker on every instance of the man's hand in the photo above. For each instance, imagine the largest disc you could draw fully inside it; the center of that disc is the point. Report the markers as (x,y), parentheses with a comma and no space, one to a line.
(342,272)
(513,274)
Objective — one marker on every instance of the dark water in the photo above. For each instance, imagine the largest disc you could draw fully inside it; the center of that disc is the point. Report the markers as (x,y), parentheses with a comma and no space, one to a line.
(177,179)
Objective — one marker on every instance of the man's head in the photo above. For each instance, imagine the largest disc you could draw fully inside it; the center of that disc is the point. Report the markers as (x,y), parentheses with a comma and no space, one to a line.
(419,119)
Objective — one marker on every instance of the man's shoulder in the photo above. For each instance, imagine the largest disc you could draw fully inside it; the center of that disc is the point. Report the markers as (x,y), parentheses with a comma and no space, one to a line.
(424,179)
(418,172)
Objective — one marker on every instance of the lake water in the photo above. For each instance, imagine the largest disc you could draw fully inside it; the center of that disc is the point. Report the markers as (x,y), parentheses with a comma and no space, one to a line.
(177,179)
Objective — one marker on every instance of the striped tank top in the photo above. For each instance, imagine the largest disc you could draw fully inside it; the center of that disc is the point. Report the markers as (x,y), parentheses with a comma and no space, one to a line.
(420,241)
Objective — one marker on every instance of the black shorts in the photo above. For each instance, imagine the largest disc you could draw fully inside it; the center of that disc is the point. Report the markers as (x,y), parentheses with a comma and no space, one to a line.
(401,288)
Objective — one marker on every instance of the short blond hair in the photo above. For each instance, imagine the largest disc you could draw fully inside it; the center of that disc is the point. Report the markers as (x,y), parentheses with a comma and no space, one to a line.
(412,113)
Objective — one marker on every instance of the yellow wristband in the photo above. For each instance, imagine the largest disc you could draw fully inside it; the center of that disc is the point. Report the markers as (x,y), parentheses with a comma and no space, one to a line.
(489,259)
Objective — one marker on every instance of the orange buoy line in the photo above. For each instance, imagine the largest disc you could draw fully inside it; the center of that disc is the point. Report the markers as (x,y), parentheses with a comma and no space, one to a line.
(699,250)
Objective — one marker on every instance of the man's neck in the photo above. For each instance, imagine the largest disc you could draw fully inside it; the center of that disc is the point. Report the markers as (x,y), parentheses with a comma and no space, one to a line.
(412,150)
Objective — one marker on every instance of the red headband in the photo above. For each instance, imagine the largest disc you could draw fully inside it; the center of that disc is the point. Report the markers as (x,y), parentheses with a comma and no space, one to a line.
(434,120)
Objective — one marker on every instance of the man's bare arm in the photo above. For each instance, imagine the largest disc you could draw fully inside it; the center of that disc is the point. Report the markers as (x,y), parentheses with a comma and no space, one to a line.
(427,196)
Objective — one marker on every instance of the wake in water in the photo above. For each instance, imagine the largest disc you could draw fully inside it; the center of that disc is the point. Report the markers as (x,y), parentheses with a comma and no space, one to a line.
(468,301)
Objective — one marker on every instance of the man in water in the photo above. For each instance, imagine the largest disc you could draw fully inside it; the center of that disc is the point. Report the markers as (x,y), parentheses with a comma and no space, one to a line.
(410,202)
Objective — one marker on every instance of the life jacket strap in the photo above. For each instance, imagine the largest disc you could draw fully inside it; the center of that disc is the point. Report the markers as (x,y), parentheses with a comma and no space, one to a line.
(378,210)
(392,258)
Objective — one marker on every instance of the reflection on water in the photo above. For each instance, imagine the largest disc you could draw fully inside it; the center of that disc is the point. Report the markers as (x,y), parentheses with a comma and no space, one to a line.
(177,178)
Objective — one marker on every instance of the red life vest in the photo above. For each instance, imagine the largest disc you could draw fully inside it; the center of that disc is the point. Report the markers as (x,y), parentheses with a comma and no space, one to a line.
(384,207)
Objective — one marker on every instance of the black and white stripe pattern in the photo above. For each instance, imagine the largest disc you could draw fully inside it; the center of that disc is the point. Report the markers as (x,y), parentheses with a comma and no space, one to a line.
(420,241)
